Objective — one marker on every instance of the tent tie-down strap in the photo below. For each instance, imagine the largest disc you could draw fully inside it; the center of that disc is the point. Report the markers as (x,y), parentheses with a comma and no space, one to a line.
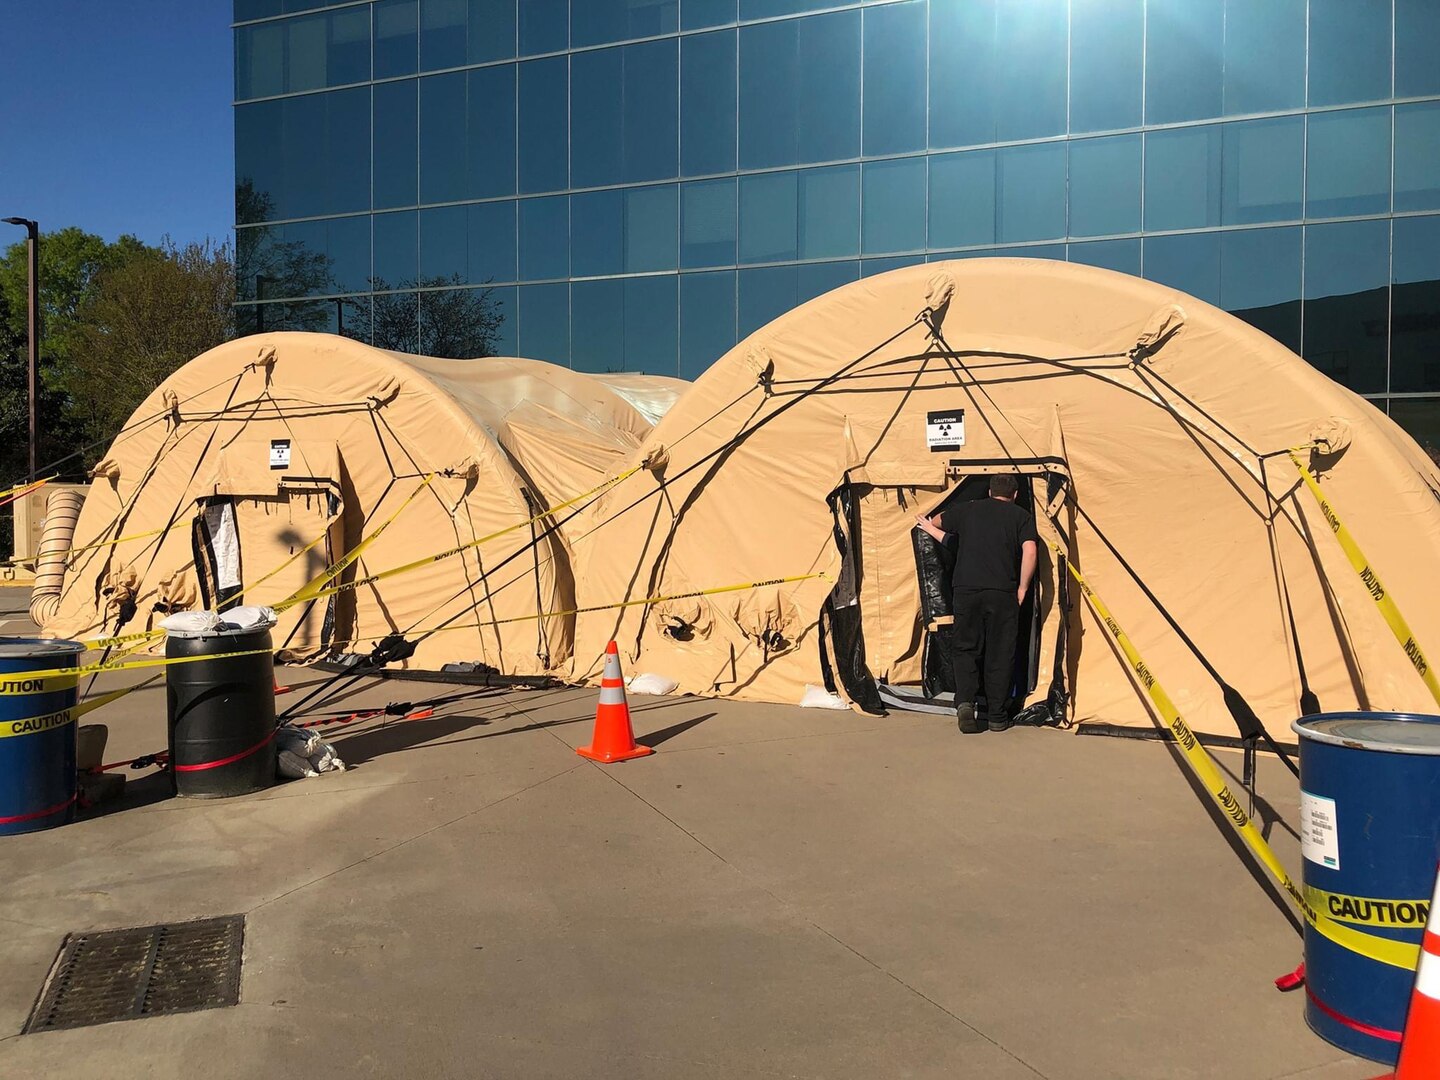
(1387,951)
(1362,566)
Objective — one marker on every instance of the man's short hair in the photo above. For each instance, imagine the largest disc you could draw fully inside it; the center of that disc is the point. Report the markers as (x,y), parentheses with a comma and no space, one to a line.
(1005,485)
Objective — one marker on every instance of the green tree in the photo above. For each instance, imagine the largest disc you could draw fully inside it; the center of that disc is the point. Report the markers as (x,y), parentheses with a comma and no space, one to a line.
(446,321)
(142,319)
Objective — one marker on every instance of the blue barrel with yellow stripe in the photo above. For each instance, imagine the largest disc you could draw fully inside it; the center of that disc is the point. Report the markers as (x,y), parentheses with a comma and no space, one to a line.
(37,735)
(1370,836)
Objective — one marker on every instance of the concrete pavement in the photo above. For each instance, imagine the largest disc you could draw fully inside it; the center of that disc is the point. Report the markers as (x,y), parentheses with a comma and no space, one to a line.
(776,893)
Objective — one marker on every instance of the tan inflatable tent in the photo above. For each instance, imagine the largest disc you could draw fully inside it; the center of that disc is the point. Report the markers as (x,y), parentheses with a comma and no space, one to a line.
(1134,413)
(253,451)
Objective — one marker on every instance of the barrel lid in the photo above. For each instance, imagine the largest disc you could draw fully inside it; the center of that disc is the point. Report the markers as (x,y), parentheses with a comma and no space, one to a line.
(1396,733)
(223,630)
(25,647)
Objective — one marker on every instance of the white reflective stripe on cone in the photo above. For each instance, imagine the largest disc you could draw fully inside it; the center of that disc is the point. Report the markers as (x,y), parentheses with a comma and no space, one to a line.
(612,695)
(612,666)
(1427,979)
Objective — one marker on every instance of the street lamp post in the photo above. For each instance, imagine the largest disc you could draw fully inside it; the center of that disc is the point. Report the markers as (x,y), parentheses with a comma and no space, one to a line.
(32,240)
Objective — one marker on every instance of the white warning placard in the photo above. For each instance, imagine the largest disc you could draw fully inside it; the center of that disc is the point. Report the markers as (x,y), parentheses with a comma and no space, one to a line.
(279,453)
(1319,831)
(945,430)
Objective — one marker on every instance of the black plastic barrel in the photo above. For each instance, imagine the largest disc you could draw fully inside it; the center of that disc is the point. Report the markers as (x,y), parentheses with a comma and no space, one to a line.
(222,712)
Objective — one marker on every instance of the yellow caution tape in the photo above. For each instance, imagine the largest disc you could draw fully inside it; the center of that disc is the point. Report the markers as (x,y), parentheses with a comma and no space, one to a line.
(20,490)
(1398,954)
(72,552)
(25,683)
(451,552)
(1371,580)
(1369,910)
(821,575)
(313,588)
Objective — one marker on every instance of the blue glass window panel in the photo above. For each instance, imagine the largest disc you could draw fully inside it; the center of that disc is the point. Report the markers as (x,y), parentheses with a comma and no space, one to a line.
(490,132)
(708,224)
(259,162)
(454,323)
(962,199)
(397,38)
(1120,255)
(1347,302)
(543,322)
(652,218)
(599,22)
(597,233)
(707,103)
(396,144)
(1260,280)
(506,305)
(1350,50)
(1184,41)
(962,93)
(1190,263)
(1182,178)
(652,325)
(700,14)
(544,238)
(766,293)
(347,150)
(442,138)
(871,267)
(305,53)
(1417,42)
(544,125)
(767,9)
(894,118)
(260,60)
(324,154)
(1415,306)
(829,212)
(1105,185)
(1417,156)
(1263,170)
(492,242)
(1421,418)
(597,313)
(347,47)
(651,111)
(1264,55)
(1030,200)
(800,90)
(396,250)
(707,320)
(396,321)
(1107,44)
(597,107)
(444,34)
(492,30)
(305,155)
(544,26)
(893,217)
(1031,43)
(256,9)
(1055,252)
(444,244)
(768,222)
(304,245)
(817,279)
(1348,163)
(347,244)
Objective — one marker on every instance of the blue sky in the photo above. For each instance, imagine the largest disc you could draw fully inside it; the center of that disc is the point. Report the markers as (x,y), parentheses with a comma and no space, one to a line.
(115,116)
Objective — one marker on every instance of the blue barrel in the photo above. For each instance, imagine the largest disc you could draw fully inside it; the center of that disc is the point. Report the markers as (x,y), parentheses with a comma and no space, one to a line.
(1370,835)
(37,736)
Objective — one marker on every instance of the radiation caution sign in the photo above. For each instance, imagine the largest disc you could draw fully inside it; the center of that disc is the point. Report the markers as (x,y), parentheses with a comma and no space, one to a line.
(279,453)
(945,430)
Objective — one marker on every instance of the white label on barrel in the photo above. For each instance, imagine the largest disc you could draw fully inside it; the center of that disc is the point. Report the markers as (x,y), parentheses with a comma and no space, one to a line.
(1319,835)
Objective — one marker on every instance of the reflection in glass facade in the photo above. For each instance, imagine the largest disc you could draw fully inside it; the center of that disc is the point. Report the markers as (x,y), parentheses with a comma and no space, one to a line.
(638,184)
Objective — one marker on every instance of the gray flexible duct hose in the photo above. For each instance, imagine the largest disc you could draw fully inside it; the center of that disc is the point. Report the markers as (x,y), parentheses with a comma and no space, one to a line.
(61,512)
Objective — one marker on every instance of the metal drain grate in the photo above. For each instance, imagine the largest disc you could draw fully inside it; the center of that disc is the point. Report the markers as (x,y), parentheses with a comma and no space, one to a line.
(110,975)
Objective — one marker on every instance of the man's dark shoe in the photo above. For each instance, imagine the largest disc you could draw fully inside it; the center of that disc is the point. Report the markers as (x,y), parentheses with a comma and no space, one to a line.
(970,724)
(1001,725)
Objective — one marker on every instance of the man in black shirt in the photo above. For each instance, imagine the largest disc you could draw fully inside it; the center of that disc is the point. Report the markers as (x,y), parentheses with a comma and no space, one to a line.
(996,549)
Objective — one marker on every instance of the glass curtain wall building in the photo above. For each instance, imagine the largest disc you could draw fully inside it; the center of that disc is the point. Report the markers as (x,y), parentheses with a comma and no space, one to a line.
(637,184)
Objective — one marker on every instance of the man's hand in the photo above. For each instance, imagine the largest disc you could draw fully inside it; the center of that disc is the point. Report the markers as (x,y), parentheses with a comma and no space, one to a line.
(1020,596)
(924,523)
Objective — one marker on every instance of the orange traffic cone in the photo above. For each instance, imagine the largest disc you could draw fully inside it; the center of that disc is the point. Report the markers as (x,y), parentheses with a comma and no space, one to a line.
(1420,1047)
(614,739)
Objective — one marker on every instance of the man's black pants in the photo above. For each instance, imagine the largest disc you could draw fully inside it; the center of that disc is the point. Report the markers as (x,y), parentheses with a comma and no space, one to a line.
(986,623)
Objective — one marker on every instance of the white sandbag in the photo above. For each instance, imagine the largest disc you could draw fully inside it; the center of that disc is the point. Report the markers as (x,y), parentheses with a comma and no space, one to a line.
(292,766)
(649,683)
(190,622)
(302,742)
(327,760)
(250,618)
(817,697)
